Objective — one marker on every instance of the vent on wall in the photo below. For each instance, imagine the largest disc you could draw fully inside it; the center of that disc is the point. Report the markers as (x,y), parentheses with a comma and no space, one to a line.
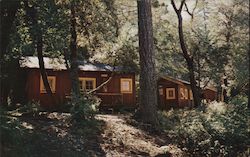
(104,75)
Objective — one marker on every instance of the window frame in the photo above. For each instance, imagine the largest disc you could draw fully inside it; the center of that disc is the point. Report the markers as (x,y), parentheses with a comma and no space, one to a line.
(161,91)
(168,97)
(191,95)
(182,93)
(84,79)
(52,87)
(186,93)
(130,80)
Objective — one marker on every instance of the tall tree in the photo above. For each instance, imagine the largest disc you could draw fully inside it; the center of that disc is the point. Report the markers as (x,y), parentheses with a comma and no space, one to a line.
(188,57)
(73,56)
(36,33)
(8,11)
(148,89)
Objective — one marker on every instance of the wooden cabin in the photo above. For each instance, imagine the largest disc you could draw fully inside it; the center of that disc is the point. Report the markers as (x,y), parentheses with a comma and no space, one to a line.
(176,93)
(119,91)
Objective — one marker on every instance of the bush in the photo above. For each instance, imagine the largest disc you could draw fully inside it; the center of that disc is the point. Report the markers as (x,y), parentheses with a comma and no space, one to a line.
(11,133)
(220,130)
(32,107)
(85,108)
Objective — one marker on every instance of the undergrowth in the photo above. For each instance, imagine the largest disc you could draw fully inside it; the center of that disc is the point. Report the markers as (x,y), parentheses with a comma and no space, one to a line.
(218,130)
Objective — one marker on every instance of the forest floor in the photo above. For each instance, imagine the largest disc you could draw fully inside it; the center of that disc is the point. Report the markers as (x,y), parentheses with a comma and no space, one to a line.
(123,139)
(52,134)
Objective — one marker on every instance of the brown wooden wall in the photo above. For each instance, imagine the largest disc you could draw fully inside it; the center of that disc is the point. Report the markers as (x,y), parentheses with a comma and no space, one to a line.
(63,88)
(209,95)
(184,102)
(162,101)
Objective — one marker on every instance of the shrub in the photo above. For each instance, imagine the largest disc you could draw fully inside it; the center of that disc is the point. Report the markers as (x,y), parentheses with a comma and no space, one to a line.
(11,133)
(220,130)
(32,107)
(85,108)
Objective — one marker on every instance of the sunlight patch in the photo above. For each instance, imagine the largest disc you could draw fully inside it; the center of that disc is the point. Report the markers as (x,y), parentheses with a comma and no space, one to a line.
(27,125)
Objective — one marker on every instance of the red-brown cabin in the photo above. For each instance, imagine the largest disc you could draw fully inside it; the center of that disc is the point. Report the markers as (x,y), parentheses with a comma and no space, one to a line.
(119,91)
(176,93)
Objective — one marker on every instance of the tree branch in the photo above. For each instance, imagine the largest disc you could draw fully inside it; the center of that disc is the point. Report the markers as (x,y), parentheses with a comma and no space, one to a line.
(174,6)
(101,85)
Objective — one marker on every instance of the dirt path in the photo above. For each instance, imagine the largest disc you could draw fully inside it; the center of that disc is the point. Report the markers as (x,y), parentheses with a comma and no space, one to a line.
(122,140)
(113,137)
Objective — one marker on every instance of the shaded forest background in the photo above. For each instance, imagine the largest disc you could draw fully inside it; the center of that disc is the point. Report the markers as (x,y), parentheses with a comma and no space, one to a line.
(216,36)
(204,42)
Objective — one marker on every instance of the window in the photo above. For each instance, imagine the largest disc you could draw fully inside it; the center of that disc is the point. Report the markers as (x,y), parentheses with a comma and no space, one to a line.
(126,85)
(191,94)
(105,88)
(52,84)
(87,84)
(170,93)
(161,91)
(104,75)
(184,93)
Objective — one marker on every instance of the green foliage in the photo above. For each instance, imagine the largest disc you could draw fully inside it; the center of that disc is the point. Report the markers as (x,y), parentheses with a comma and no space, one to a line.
(241,100)
(221,130)
(84,109)
(31,107)
(12,135)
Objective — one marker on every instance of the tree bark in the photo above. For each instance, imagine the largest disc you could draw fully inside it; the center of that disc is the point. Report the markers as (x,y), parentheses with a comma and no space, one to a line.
(248,83)
(73,56)
(8,14)
(8,11)
(187,56)
(32,14)
(148,88)
(41,63)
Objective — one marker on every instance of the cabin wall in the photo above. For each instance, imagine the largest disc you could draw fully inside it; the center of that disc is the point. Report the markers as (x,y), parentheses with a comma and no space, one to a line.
(209,95)
(178,102)
(112,96)
(184,102)
(163,102)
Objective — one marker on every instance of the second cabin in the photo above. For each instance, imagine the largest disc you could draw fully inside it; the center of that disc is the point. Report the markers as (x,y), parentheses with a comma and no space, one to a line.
(176,93)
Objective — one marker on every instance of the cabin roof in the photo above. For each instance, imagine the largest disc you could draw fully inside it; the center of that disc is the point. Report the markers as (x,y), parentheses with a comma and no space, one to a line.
(175,80)
(59,64)
(183,82)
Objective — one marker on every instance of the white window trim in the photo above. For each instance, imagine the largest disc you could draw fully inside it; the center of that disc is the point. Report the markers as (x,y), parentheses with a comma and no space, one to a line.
(130,80)
(168,97)
(52,87)
(183,93)
(191,95)
(84,79)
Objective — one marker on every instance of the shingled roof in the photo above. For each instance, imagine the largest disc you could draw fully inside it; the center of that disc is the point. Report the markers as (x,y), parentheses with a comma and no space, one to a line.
(183,82)
(59,64)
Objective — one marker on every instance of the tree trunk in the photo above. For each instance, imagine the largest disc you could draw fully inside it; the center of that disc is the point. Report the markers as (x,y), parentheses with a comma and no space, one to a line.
(37,36)
(73,56)
(187,56)
(8,11)
(41,64)
(248,74)
(148,88)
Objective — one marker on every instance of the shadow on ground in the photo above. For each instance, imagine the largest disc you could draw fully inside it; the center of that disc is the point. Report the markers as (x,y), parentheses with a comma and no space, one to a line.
(52,134)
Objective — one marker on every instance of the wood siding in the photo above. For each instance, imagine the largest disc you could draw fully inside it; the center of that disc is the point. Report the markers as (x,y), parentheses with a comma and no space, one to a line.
(162,101)
(209,95)
(112,96)
(178,102)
